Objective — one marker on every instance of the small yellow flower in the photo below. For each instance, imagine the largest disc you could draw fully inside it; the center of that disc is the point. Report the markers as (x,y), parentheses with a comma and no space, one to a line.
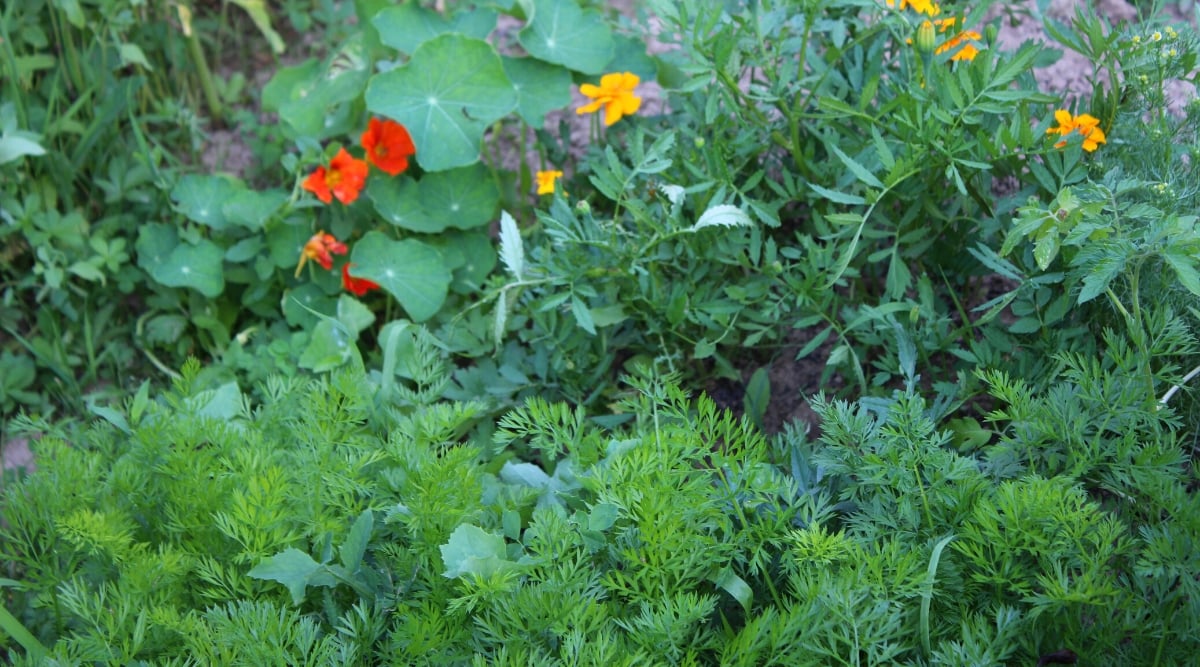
(927,7)
(545,181)
(968,50)
(615,94)
(1137,39)
(1086,124)
(1171,34)
(1155,36)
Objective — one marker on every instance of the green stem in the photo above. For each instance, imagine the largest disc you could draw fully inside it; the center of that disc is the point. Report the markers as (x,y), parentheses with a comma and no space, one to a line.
(10,625)
(206,80)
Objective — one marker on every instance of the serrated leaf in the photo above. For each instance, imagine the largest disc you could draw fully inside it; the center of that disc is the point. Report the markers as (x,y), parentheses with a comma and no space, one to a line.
(583,316)
(450,91)
(356,542)
(723,215)
(1185,270)
(860,172)
(512,249)
(560,32)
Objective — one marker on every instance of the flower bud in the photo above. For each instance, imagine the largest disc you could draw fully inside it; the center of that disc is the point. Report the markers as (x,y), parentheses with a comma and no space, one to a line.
(990,34)
(926,37)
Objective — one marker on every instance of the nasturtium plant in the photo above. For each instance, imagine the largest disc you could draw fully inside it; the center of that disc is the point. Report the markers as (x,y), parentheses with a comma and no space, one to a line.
(564,34)
(411,271)
(405,27)
(448,93)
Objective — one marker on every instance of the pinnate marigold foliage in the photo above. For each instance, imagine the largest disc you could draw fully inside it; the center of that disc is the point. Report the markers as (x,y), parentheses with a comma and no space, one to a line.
(356,286)
(615,94)
(388,145)
(546,181)
(321,248)
(344,179)
(1085,124)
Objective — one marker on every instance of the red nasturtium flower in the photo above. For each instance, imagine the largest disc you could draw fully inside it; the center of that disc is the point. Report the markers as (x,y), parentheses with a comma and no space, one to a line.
(321,248)
(344,179)
(357,286)
(388,145)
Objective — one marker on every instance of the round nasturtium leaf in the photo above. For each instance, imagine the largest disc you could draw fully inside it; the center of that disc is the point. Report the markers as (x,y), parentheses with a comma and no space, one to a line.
(197,266)
(300,303)
(398,200)
(541,87)
(450,91)
(154,244)
(406,27)
(251,209)
(411,271)
(561,33)
(464,198)
(200,198)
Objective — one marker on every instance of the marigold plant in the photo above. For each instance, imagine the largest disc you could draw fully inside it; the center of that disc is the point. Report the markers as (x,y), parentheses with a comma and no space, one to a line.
(546,181)
(1085,124)
(615,94)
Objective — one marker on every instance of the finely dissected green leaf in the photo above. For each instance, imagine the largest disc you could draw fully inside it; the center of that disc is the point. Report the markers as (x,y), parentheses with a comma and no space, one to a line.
(294,569)
(411,271)
(473,551)
(512,250)
(723,215)
(560,32)
(203,198)
(398,200)
(356,542)
(408,26)
(464,198)
(199,266)
(541,87)
(450,91)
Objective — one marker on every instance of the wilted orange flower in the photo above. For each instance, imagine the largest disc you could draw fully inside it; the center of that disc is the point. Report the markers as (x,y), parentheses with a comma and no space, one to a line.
(321,248)
(1086,124)
(388,145)
(545,181)
(357,286)
(615,94)
(343,179)
(927,7)
(968,50)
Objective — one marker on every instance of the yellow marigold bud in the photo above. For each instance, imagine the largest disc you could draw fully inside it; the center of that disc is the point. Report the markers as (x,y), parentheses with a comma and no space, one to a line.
(926,37)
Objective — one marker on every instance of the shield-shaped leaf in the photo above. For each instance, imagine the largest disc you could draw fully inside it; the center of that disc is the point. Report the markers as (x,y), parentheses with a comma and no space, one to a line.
(411,271)
(560,32)
(398,200)
(450,91)
(201,198)
(408,26)
(541,87)
(197,266)
(463,198)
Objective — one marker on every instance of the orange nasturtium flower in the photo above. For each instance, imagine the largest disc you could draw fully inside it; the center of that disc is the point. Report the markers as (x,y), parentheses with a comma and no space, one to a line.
(388,145)
(358,286)
(344,179)
(545,181)
(321,248)
(1086,124)
(615,94)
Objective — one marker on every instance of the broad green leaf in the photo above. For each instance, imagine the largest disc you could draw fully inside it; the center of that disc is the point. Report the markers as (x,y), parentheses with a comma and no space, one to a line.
(603,516)
(257,9)
(398,200)
(450,91)
(16,146)
(408,26)
(356,542)
(629,55)
(294,569)
(541,87)
(132,54)
(583,316)
(311,97)
(464,198)
(329,347)
(411,271)
(560,32)
(300,304)
(223,403)
(1184,266)
(252,209)
(473,551)
(737,587)
(1046,248)
(353,313)
(197,266)
(286,242)
(475,257)
(202,198)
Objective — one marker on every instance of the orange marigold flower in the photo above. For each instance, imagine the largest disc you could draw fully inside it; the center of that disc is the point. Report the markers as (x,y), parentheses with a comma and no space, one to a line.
(615,94)
(1085,124)
(344,179)
(545,181)
(927,7)
(357,286)
(968,50)
(321,248)
(388,145)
